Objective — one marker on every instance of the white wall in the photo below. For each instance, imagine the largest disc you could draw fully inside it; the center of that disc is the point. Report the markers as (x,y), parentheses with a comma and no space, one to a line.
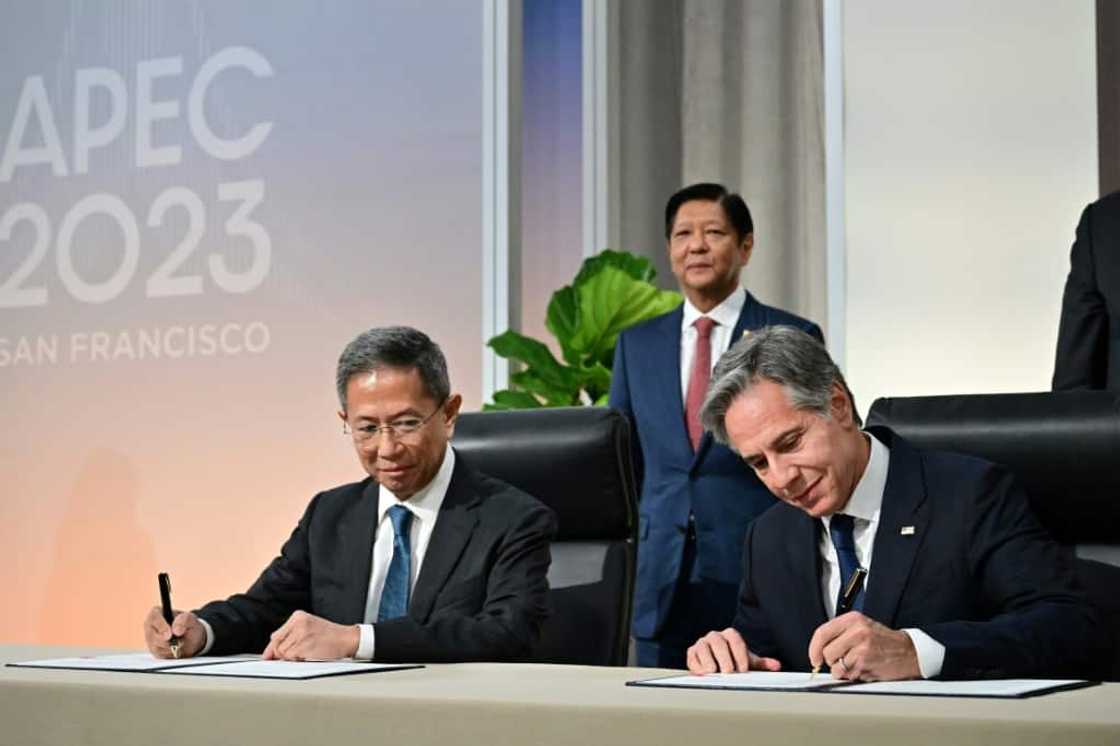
(970,150)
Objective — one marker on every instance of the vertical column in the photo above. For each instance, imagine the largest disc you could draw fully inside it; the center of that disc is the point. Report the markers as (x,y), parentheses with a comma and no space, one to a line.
(501,180)
(1108,95)
(835,246)
(600,126)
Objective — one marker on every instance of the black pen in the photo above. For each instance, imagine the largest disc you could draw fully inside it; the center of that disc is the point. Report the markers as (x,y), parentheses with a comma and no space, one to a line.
(851,590)
(168,614)
(847,598)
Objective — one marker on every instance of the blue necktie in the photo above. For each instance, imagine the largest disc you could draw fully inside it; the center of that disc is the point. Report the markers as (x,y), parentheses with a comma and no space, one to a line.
(394,596)
(841,527)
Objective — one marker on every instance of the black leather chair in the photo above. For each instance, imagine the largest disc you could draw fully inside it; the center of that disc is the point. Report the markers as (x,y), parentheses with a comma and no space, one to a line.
(578,461)
(1065,449)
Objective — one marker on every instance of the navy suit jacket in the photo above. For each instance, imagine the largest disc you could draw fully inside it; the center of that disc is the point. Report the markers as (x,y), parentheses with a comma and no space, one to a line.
(978,574)
(712,484)
(481,593)
(1088,354)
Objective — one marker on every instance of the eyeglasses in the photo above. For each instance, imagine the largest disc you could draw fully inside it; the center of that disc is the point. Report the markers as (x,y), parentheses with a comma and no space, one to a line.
(396,429)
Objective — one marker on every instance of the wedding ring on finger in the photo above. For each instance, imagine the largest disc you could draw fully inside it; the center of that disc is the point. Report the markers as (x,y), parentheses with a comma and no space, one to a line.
(843,665)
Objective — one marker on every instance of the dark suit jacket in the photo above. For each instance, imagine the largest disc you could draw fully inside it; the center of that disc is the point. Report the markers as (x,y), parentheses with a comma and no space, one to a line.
(979,574)
(481,593)
(1088,355)
(712,484)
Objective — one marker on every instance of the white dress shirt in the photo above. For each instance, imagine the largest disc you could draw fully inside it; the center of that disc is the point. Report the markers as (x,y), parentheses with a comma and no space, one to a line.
(424,506)
(726,316)
(864,506)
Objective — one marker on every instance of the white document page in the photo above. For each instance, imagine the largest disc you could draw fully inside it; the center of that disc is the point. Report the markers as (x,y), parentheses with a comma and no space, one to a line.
(122,662)
(992,688)
(758,680)
(275,669)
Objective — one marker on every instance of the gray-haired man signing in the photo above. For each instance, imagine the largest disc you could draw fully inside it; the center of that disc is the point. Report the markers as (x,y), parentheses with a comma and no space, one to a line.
(962,581)
(424,560)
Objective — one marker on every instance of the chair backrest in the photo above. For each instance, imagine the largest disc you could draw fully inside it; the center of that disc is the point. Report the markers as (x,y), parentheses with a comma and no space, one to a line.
(578,461)
(1064,447)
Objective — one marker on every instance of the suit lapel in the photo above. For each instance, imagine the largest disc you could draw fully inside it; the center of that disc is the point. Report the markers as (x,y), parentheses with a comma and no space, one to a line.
(453,530)
(748,319)
(356,537)
(665,366)
(803,556)
(903,520)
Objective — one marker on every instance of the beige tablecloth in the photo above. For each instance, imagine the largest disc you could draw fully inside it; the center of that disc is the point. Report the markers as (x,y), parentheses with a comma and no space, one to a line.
(487,703)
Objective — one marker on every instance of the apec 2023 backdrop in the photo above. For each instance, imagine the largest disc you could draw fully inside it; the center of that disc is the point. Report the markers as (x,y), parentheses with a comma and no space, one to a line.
(200,204)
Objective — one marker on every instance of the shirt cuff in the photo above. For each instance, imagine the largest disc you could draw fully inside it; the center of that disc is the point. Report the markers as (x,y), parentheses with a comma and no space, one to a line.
(931,653)
(209,636)
(365,643)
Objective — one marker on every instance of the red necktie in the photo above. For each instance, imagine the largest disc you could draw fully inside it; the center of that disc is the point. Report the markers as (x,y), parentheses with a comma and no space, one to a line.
(698,379)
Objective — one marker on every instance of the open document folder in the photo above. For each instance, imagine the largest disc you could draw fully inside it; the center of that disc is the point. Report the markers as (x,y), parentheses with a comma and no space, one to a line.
(767,681)
(247,667)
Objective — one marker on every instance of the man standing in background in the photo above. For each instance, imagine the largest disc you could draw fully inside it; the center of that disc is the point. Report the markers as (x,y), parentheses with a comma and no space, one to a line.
(1088,355)
(696,498)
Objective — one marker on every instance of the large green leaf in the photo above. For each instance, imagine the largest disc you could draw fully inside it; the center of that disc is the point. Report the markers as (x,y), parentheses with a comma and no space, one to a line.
(554,396)
(509,399)
(611,301)
(565,312)
(537,357)
(596,380)
(563,321)
(635,266)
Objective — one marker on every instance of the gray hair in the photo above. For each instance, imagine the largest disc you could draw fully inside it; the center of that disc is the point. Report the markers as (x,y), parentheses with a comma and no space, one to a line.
(782,354)
(394,347)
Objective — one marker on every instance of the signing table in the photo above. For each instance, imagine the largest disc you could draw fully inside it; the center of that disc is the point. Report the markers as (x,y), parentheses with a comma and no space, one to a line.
(486,703)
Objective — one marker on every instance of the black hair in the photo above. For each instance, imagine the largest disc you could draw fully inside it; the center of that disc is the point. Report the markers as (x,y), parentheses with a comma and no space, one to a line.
(738,214)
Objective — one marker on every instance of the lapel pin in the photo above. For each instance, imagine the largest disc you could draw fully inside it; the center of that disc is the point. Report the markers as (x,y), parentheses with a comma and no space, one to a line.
(907,531)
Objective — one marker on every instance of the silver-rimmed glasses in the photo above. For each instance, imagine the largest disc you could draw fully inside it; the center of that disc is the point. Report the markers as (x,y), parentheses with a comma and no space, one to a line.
(399,428)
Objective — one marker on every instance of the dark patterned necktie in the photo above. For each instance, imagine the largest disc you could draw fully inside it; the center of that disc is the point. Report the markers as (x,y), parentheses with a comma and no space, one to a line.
(394,596)
(842,529)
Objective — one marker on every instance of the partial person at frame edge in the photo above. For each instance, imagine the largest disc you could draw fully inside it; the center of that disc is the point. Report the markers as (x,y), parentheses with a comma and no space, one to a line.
(425,560)
(962,580)
(1088,349)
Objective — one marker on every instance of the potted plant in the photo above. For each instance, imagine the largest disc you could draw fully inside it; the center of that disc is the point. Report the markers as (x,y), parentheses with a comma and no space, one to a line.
(612,291)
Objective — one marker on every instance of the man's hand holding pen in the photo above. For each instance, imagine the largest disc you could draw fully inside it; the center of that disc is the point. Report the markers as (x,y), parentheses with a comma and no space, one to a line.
(185,626)
(858,648)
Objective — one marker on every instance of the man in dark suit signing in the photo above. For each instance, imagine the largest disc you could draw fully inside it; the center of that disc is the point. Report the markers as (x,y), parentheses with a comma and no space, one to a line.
(962,581)
(425,560)
(1088,354)
(696,499)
